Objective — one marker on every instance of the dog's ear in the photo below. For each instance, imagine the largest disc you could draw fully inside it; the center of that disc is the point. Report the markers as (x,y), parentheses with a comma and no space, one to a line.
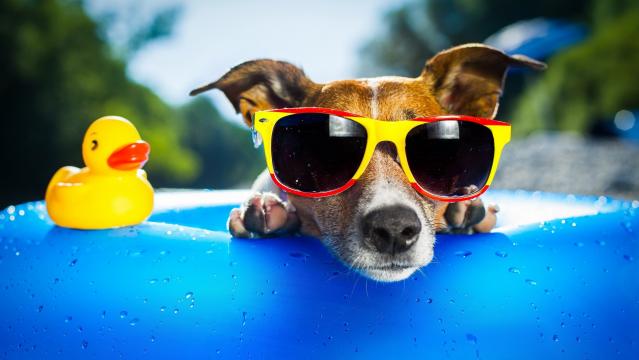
(468,79)
(261,85)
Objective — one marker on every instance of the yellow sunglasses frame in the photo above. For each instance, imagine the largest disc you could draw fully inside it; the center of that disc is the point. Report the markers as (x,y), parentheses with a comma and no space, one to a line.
(377,131)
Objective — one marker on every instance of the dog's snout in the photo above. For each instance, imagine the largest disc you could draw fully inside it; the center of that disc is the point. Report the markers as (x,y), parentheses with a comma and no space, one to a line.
(391,229)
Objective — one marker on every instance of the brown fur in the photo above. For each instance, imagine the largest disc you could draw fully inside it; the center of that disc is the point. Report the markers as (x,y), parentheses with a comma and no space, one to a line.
(464,80)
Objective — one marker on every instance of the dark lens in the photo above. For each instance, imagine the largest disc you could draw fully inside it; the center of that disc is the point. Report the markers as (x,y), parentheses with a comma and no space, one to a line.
(450,158)
(316,152)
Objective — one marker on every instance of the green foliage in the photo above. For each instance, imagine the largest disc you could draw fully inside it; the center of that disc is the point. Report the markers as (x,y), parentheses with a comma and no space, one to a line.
(57,75)
(587,83)
(127,28)
(419,29)
(583,85)
(226,149)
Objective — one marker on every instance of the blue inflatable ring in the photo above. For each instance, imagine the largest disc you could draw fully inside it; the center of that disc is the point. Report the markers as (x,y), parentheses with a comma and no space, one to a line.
(558,278)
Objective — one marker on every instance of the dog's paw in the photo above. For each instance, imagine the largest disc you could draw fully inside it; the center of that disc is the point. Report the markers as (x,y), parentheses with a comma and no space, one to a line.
(466,217)
(264,214)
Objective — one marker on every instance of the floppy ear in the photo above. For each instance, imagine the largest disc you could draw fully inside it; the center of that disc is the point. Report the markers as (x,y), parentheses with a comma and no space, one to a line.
(468,79)
(261,85)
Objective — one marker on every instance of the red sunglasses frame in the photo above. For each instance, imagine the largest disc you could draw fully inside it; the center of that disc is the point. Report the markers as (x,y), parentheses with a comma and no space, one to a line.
(264,122)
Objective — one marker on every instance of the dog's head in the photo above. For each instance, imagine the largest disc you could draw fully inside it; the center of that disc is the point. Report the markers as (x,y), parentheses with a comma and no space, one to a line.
(381,226)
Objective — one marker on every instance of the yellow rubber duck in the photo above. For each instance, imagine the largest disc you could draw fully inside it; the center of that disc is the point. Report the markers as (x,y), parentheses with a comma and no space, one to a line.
(112,190)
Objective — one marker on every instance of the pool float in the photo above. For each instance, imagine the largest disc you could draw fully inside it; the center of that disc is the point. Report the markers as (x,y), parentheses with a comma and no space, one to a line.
(557,279)
(112,190)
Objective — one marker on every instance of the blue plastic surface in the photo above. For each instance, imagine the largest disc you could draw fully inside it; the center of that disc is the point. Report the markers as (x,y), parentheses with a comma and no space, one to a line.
(177,286)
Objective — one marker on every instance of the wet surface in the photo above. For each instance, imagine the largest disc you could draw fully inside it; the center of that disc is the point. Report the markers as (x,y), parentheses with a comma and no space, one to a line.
(565,286)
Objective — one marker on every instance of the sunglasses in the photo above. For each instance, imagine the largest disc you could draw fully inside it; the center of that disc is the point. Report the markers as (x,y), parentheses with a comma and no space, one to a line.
(317,152)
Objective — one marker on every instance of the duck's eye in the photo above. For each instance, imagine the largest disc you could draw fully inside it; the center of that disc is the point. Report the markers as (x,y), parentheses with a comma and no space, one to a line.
(94,144)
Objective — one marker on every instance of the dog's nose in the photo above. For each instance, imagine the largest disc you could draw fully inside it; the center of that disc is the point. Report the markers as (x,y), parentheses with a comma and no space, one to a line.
(391,229)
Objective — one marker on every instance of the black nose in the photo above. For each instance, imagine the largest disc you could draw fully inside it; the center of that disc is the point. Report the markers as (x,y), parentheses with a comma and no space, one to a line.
(391,229)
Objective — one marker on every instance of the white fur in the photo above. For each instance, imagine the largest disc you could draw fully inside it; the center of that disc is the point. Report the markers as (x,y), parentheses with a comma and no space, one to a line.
(388,194)
(382,193)
(373,84)
(264,183)
(390,276)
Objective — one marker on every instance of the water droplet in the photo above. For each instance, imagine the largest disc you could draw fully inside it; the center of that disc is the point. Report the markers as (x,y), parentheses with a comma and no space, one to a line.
(601,242)
(85,344)
(188,295)
(40,307)
(80,328)
(274,292)
(162,308)
(218,351)
(68,319)
(555,338)
(176,311)
(152,338)
(123,314)
(602,200)
(579,244)
(134,322)
(243,318)
(463,253)
(169,232)
(627,225)
(430,301)
(514,270)
(17,253)
(103,315)
(153,281)
(573,224)
(531,282)
(166,280)
(501,254)
(471,338)
(73,262)
(21,212)
(629,257)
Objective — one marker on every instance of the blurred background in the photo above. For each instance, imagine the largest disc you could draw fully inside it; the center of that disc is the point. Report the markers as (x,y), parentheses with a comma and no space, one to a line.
(65,63)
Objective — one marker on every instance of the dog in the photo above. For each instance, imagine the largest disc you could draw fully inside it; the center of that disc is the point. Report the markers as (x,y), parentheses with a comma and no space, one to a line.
(464,80)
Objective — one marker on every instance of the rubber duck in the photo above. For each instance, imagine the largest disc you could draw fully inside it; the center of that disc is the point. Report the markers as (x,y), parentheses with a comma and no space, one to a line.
(112,190)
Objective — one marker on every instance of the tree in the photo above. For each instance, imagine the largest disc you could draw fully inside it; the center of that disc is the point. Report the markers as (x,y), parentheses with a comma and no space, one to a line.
(226,151)
(418,30)
(583,86)
(586,84)
(57,75)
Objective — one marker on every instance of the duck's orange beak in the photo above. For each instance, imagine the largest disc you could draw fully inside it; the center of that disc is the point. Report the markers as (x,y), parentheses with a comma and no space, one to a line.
(131,156)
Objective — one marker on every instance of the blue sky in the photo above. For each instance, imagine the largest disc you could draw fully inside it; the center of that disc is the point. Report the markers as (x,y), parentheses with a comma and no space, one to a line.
(324,37)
